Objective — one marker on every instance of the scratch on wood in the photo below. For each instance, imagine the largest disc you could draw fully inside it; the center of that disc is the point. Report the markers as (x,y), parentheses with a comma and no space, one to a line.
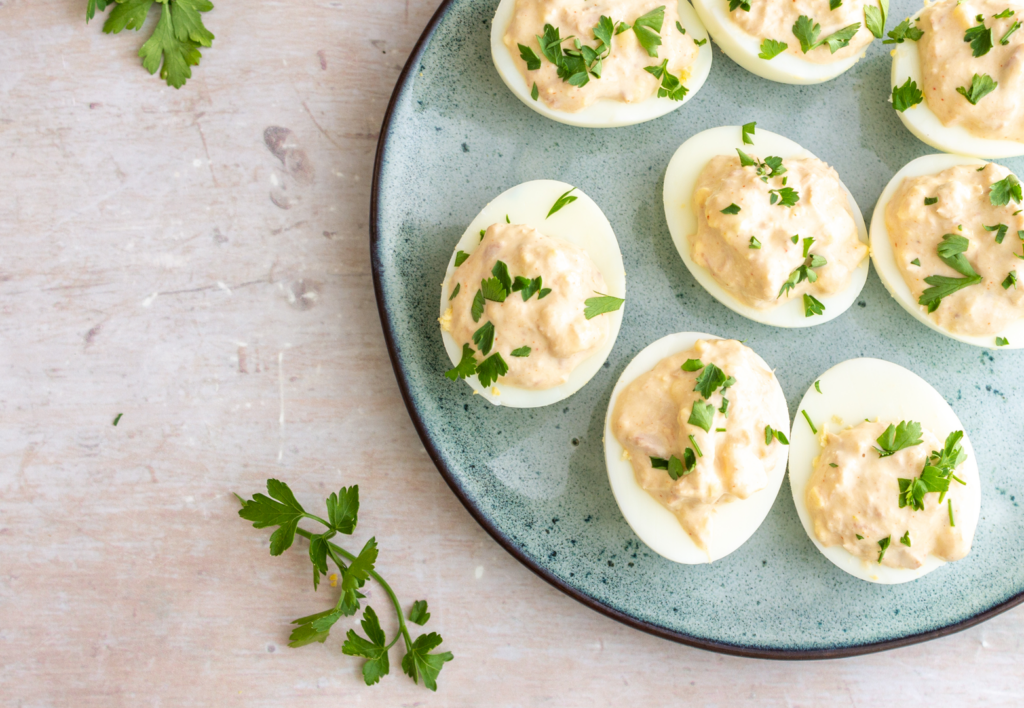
(319,127)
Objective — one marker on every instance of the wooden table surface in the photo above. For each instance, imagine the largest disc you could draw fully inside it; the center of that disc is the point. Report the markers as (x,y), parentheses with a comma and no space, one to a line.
(198,261)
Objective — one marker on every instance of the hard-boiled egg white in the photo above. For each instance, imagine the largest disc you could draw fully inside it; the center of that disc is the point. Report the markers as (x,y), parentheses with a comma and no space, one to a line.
(919,119)
(581,223)
(733,522)
(680,178)
(885,261)
(744,48)
(604,113)
(859,389)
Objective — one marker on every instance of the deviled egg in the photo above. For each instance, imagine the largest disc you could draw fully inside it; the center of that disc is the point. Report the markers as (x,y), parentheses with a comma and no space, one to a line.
(606,64)
(532,299)
(956,78)
(695,445)
(795,42)
(766,227)
(883,475)
(947,241)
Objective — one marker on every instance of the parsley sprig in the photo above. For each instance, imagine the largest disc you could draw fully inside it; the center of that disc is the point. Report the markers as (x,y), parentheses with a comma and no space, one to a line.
(902,32)
(807,31)
(979,37)
(981,86)
(282,510)
(906,96)
(951,252)
(671,87)
(1005,190)
(898,437)
(804,271)
(771,48)
(939,471)
(175,44)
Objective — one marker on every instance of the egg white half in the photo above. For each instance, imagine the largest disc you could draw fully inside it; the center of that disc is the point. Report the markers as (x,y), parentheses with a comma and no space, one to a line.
(581,223)
(877,390)
(604,113)
(743,49)
(885,260)
(680,179)
(906,63)
(732,523)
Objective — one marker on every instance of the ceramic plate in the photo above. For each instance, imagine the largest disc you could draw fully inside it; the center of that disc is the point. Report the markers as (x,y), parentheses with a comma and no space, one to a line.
(454,138)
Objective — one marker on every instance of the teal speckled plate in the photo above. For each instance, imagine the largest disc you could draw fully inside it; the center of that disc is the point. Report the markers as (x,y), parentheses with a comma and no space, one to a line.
(454,137)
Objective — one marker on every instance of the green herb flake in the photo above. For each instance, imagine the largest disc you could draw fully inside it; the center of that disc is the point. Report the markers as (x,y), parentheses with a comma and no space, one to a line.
(875,17)
(460,258)
(905,540)
(1002,341)
(692,365)
(808,419)
(812,306)
(795,238)
(979,37)
(702,415)
(483,338)
(543,293)
(835,4)
(696,447)
(747,132)
(981,86)
(490,369)
(709,381)
(906,96)
(916,261)
(882,546)
(771,48)
(659,463)
(832,464)
(928,201)
(898,437)
(466,366)
(859,537)
(117,419)
(647,28)
(595,306)
(949,505)
(455,292)
(902,32)
(754,243)
(1011,280)
(1000,230)
(531,59)
(521,352)
(739,4)
(535,92)
(1004,191)
(1005,40)
(731,209)
(817,386)
(482,232)
(682,30)
(562,201)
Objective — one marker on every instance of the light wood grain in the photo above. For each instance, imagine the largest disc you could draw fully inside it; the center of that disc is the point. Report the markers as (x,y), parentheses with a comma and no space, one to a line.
(158,259)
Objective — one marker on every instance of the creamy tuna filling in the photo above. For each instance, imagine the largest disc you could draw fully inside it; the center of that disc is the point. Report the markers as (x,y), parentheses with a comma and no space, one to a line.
(949,65)
(622,74)
(772,19)
(853,498)
(693,452)
(544,322)
(928,216)
(752,232)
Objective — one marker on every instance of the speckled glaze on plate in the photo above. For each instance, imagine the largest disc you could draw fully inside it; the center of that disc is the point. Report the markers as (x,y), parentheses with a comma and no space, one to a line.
(454,137)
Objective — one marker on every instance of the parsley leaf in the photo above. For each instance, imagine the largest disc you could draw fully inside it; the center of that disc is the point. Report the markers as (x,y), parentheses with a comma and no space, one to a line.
(743,4)
(838,40)
(490,369)
(709,380)
(692,365)
(1000,230)
(562,201)
(455,292)
(1011,279)
(646,27)
(754,243)
(897,437)
(812,306)
(1001,192)
(883,545)
(1002,341)
(702,415)
(418,614)
(680,468)
(373,648)
(521,352)
(731,209)
(835,4)
(483,338)
(279,509)
(176,40)
(551,45)
(943,287)
(94,5)
(902,32)
(787,196)
(531,59)
(1006,37)
(595,306)
(477,309)
(526,286)
(460,258)
(117,419)
(770,433)
(535,93)
(905,540)
(466,366)
(806,30)
(419,663)
(981,86)
(671,87)
(928,201)
(659,463)
(916,261)
(771,48)
(906,96)
(979,37)
(875,17)
(951,252)
(493,290)
(804,271)
(747,131)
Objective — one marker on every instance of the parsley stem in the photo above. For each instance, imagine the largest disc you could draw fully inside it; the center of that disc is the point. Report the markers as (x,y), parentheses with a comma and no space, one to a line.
(332,549)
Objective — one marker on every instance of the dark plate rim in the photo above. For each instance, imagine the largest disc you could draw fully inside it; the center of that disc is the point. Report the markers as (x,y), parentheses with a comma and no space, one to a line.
(503,540)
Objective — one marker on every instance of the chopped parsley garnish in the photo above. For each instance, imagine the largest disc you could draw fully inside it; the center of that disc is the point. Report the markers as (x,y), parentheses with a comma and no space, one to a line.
(647,28)
(875,17)
(808,419)
(696,446)
(813,306)
(770,167)
(928,201)
(458,287)
(1000,230)
(936,475)
(531,59)
(483,338)
(1001,192)
(771,48)
(1006,37)
(544,292)
(787,196)
(905,540)
(747,131)
(754,243)
(724,408)
(770,433)
(521,351)
(710,379)
(477,310)
(731,209)
(742,4)
(804,271)
(1011,280)
(949,505)
(1002,341)
(490,369)
(833,464)
(702,415)
(575,66)
(622,27)
(526,286)
(859,537)
(466,366)
(562,201)
(817,386)
(981,86)
(482,232)
(795,238)
(500,271)
(906,96)
(700,42)
(897,437)
(692,365)
(682,30)
(680,468)
(595,306)
(671,87)
(719,430)
(1004,14)
(916,261)
(535,93)
(807,31)
(883,545)
(659,463)
(117,419)
(951,251)
(493,290)
(835,4)
(979,37)
(460,258)
(902,32)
